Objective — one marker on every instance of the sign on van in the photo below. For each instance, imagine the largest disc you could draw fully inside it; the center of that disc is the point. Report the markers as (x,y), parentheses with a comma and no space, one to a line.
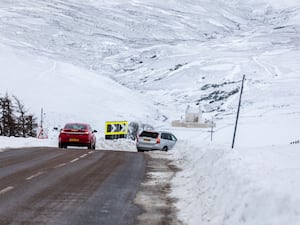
(116,129)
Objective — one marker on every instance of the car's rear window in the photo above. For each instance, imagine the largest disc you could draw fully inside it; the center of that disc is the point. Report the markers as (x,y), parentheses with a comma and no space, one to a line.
(75,127)
(149,134)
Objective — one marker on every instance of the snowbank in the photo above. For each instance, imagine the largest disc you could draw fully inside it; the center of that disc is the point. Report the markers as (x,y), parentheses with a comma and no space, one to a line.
(13,142)
(240,186)
(101,144)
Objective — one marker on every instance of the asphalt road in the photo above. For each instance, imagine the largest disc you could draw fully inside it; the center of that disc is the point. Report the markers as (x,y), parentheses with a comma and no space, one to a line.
(64,187)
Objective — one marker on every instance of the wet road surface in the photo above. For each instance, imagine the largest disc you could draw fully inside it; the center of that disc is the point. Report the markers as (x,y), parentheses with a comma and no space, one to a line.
(72,186)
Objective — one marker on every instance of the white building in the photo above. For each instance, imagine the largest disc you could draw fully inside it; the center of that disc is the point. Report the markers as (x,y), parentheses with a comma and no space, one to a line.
(193,114)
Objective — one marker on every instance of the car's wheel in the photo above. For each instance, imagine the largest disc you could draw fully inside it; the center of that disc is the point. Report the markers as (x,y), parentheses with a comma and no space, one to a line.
(61,145)
(140,150)
(165,149)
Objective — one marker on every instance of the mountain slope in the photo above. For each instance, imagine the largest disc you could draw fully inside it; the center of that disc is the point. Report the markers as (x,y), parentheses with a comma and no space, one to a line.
(66,92)
(146,61)
(148,46)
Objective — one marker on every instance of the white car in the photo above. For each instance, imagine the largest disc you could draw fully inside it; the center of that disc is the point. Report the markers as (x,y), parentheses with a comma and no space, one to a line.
(155,140)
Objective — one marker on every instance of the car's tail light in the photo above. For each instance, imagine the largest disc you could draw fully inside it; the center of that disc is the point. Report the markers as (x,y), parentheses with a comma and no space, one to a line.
(157,140)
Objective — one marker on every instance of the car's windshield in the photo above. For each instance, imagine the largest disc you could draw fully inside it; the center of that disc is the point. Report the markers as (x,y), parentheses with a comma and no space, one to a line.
(149,134)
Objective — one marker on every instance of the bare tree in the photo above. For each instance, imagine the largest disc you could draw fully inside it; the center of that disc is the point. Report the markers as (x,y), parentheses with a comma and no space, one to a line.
(20,109)
(26,124)
(14,120)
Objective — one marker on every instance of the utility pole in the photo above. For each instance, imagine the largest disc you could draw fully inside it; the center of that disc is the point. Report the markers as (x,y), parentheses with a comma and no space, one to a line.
(238,112)
(212,129)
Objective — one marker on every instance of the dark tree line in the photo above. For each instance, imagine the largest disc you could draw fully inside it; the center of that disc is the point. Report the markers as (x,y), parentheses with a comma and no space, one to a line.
(14,118)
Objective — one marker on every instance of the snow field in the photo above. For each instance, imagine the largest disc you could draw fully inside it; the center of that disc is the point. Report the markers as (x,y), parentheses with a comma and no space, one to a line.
(150,60)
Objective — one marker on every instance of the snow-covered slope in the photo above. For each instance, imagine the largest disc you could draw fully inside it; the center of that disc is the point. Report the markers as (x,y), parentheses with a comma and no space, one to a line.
(146,61)
(66,92)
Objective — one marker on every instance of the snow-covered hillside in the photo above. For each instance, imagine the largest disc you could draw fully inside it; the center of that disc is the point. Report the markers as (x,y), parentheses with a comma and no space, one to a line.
(146,61)
(67,92)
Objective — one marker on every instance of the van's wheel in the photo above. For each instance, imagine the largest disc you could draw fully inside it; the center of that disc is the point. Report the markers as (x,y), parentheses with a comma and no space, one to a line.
(165,149)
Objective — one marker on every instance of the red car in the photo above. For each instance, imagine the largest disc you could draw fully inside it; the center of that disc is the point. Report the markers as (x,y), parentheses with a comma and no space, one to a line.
(77,134)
